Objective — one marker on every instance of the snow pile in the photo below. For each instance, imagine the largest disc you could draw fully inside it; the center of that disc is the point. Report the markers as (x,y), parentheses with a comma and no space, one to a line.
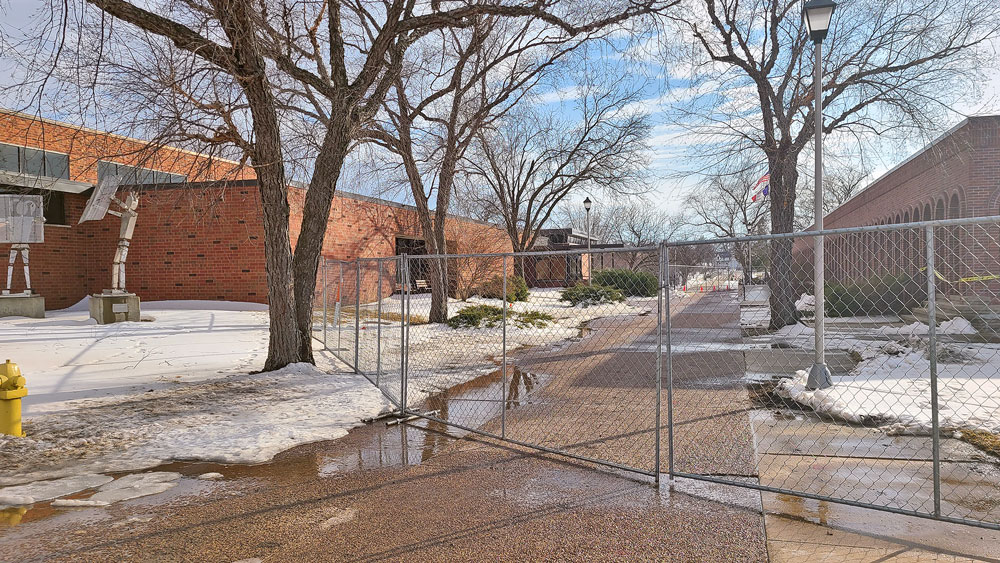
(806,303)
(955,326)
(892,391)
(240,419)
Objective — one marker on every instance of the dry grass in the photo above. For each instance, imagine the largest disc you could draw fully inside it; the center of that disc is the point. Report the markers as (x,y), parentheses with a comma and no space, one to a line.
(986,441)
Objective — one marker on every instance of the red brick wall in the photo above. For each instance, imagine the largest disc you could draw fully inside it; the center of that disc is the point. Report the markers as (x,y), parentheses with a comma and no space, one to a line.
(195,242)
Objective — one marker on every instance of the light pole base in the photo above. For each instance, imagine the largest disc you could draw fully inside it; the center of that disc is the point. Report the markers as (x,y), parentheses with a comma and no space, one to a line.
(819,377)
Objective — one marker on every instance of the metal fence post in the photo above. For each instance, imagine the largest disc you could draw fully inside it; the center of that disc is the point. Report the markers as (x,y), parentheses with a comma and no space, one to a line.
(337,308)
(932,352)
(670,368)
(324,304)
(378,329)
(404,345)
(503,365)
(659,357)
(357,319)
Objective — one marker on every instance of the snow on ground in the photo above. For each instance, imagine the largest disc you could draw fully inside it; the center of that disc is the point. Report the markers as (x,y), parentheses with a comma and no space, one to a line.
(68,356)
(128,396)
(806,303)
(956,326)
(891,386)
(238,419)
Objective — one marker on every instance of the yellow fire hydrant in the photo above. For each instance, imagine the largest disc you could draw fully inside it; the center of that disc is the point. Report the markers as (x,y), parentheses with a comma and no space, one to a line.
(12,388)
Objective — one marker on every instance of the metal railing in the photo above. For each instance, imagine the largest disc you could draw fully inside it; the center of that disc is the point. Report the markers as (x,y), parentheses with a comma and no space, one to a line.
(673,362)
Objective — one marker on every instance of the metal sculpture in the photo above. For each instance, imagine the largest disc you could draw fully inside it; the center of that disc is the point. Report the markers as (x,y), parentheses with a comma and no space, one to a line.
(22,223)
(97,207)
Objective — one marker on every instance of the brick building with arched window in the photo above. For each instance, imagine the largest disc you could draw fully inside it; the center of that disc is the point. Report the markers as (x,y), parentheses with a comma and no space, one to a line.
(956,176)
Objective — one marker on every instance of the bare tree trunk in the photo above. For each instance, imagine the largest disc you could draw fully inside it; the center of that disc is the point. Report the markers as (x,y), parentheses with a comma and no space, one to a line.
(315,216)
(266,156)
(781,281)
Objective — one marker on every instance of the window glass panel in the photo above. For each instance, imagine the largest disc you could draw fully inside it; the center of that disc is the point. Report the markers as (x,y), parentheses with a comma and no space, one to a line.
(57,165)
(177,178)
(146,176)
(9,158)
(33,162)
(105,169)
(55,208)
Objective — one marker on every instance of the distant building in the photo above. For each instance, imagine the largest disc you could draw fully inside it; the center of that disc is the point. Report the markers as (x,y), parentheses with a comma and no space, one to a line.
(724,259)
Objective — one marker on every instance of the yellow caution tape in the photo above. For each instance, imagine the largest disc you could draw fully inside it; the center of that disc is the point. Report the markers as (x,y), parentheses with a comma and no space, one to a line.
(938,275)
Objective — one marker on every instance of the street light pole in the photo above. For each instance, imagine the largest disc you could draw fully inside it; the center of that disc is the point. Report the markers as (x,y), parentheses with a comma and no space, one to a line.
(590,258)
(817,15)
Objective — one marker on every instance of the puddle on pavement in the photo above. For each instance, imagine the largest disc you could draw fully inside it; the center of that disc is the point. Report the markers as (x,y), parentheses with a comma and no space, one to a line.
(478,401)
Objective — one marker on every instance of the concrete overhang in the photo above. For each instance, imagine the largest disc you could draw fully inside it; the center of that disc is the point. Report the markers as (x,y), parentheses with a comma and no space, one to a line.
(43,183)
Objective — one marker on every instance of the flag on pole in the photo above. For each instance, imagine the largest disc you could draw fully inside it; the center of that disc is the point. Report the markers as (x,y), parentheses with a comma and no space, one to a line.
(761,188)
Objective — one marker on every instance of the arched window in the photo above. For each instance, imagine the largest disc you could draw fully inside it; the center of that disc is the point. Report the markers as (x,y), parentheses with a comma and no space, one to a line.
(918,243)
(907,245)
(955,254)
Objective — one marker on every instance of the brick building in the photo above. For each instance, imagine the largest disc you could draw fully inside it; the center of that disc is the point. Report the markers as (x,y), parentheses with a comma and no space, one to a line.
(199,233)
(956,176)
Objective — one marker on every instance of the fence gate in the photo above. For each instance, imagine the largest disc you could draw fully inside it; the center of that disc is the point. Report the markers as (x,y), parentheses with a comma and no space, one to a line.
(913,345)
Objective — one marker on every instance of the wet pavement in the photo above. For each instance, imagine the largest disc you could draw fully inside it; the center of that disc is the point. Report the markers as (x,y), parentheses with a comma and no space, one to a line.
(400,493)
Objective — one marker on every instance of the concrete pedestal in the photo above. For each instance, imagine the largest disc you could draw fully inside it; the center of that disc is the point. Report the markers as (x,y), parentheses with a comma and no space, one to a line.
(110,308)
(22,305)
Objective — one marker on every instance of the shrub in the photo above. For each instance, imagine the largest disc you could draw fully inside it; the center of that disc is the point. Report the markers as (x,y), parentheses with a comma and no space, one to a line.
(517,289)
(630,283)
(475,316)
(587,295)
(532,319)
(488,316)
(890,294)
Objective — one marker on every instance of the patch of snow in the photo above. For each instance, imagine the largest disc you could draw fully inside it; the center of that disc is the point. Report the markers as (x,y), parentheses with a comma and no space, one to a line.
(78,502)
(15,500)
(241,419)
(892,390)
(955,326)
(806,303)
(211,476)
(40,491)
(958,325)
(136,485)
(65,356)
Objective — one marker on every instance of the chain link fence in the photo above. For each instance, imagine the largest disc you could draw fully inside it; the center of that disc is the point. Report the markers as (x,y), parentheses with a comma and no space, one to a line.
(691,358)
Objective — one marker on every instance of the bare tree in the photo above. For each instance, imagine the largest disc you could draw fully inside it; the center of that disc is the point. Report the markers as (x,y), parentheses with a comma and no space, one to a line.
(840,184)
(312,71)
(458,83)
(521,171)
(635,223)
(722,205)
(890,68)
